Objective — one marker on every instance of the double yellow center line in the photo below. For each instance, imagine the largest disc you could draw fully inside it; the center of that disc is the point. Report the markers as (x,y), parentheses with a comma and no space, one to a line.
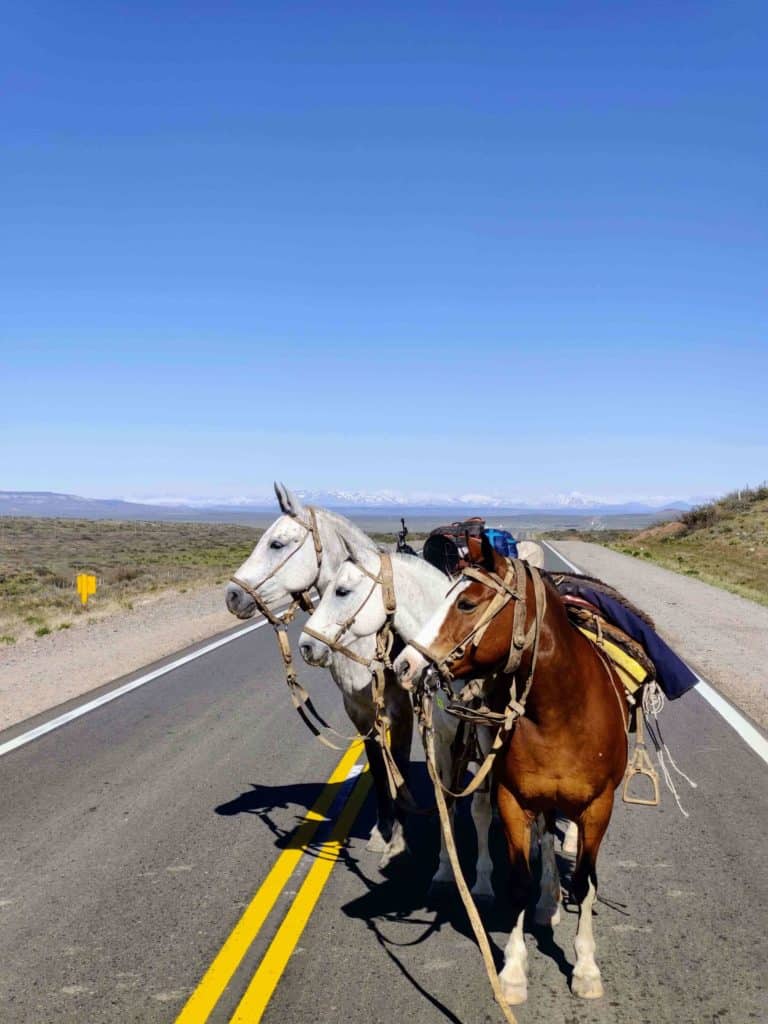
(218,976)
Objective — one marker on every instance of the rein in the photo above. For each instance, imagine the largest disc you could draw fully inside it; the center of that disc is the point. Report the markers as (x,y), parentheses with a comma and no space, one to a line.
(512,587)
(300,699)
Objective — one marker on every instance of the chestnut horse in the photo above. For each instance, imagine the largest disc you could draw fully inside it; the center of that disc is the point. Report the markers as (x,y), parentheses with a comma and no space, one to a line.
(568,750)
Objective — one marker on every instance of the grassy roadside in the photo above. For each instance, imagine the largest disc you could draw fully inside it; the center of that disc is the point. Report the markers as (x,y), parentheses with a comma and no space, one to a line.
(39,559)
(724,543)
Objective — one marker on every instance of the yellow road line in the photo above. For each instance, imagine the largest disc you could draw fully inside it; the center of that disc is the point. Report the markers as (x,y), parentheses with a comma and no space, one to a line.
(258,994)
(202,1001)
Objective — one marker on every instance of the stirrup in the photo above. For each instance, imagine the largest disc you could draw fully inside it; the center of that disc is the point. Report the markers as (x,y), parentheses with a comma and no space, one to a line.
(641,765)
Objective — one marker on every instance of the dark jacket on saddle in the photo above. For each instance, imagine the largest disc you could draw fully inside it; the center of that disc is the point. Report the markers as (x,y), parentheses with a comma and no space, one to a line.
(672,674)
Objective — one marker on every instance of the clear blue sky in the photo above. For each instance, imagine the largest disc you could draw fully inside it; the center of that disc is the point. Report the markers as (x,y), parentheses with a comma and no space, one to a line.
(504,247)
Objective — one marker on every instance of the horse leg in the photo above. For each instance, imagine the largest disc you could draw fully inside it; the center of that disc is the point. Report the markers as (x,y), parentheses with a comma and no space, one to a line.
(548,907)
(481,815)
(517,828)
(400,713)
(381,833)
(586,981)
(571,839)
(444,874)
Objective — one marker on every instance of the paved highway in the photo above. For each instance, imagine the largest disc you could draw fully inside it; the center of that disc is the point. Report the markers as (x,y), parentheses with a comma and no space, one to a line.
(150,871)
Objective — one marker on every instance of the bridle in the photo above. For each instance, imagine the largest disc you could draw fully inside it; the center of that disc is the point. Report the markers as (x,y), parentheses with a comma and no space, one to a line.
(301,700)
(507,588)
(302,599)
(384,635)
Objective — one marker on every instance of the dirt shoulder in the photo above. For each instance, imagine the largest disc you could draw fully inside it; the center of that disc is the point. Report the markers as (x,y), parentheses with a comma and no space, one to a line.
(39,674)
(724,637)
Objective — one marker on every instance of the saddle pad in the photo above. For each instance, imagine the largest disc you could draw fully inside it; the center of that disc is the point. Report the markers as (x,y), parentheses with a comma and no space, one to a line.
(631,672)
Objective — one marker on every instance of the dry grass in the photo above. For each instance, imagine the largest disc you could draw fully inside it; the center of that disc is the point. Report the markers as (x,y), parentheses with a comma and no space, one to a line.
(40,558)
(724,543)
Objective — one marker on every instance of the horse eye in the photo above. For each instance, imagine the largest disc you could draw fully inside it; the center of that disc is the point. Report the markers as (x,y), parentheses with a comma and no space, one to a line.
(466,606)
(276,545)
(341,592)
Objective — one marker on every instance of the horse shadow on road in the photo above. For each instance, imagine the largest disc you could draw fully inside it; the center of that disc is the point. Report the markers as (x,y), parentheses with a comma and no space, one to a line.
(403,896)
(406,899)
(266,803)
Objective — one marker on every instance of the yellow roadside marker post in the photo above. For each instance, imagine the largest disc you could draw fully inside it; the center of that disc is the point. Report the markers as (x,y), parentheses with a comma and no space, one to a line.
(86,586)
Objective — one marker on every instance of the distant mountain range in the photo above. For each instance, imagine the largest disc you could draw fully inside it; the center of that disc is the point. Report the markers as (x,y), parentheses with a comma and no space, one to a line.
(69,506)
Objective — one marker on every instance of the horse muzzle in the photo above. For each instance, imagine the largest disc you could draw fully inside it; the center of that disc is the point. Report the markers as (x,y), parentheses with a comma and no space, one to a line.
(238,602)
(314,652)
(409,666)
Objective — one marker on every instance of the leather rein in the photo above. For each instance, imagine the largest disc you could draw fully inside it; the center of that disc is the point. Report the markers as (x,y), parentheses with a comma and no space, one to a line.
(301,700)
(510,587)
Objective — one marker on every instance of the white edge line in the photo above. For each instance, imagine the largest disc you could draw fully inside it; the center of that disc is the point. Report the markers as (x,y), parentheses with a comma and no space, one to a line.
(561,556)
(105,698)
(751,736)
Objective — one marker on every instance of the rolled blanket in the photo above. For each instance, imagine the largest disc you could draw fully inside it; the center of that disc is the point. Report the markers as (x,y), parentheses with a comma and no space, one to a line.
(672,674)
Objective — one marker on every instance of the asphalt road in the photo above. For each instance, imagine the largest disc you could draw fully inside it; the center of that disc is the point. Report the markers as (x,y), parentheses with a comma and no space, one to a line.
(134,837)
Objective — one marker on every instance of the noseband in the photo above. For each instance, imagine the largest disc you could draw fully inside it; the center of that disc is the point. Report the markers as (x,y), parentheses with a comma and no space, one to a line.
(510,587)
(384,636)
(300,600)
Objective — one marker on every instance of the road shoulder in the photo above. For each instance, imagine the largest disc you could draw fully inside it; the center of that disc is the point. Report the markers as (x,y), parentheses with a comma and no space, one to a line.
(39,675)
(722,636)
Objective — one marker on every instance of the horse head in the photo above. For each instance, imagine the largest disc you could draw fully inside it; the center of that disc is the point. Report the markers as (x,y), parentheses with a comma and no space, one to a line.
(351,610)
(468,634)
(283,563)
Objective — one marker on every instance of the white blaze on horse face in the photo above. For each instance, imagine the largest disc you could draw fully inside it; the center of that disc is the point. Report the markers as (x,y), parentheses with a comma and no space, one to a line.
(280,541)
(426,637)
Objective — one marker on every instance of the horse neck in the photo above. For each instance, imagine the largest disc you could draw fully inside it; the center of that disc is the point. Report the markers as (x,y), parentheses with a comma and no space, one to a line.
(419,589)
(336,531)
(558,681)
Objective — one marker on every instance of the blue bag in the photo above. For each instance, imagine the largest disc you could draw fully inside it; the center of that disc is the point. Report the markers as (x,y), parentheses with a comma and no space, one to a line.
(502,541)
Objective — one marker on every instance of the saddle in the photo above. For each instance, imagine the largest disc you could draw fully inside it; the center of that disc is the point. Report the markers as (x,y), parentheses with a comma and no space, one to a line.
(632,664)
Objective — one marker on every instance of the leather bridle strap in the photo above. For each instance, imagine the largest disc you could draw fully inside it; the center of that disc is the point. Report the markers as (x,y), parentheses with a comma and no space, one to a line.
(302,599)
(300,699)
(386,582)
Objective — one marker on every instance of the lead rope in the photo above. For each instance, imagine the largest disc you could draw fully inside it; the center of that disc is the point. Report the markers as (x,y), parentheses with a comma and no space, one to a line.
(428,739)
(653,703)
(300,698)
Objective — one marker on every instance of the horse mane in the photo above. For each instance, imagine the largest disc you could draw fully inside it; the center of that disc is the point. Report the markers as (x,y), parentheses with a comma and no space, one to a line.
(603,588)
(348,530)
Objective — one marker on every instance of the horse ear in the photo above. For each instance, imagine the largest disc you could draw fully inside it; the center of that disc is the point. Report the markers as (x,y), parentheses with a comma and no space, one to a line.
(289,503)
(488,554)
(475,550)
(350,553)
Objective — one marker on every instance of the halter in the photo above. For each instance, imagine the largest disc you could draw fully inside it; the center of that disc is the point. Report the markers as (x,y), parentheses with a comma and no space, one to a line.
(300,600)
(384,636)
(301,700)
(510,587)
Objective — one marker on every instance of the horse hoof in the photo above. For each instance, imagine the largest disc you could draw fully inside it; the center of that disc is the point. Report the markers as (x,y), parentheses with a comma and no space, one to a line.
(483,891)
(440,889)
(393,854)
(514,992)
(376,841)
(586,987)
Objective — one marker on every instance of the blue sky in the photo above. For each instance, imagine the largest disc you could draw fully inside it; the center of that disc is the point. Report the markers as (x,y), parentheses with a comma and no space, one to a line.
(510,248)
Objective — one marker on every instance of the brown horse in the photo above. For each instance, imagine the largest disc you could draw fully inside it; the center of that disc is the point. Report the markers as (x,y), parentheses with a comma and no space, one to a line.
(568,751)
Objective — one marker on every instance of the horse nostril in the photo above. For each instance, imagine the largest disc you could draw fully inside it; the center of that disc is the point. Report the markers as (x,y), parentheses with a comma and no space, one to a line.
(306,650)
(403,668)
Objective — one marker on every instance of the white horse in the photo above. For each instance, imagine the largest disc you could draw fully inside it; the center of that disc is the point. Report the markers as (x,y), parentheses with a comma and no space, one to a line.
(285,563)
(357,601)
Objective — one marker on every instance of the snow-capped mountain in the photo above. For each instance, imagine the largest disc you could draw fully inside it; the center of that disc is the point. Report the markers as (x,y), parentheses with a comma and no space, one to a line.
(46,503)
